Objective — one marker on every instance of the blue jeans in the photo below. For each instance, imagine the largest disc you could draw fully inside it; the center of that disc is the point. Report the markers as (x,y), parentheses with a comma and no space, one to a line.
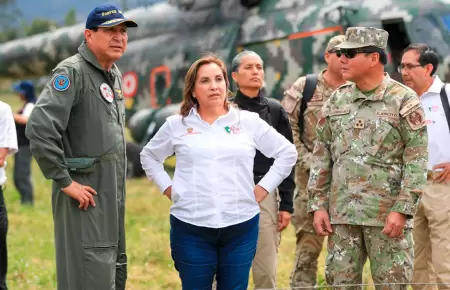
(200,253)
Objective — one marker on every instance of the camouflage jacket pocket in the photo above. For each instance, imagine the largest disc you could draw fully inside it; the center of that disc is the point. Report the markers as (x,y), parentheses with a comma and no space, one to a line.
(379,138)
(339,120)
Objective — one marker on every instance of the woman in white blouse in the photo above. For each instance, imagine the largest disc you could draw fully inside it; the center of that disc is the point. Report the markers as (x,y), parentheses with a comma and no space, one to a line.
(215,212)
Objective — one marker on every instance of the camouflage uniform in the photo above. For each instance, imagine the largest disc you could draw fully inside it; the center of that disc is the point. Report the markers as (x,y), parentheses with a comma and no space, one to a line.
(308,243)
(370,159)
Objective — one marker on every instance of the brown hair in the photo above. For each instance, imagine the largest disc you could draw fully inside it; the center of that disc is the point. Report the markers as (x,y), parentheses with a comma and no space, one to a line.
(188,100)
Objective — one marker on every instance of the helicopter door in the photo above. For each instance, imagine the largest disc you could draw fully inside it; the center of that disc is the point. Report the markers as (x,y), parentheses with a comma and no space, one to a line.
(398,40)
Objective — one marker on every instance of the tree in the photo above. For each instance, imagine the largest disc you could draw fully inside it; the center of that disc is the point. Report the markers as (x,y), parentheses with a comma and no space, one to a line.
(40,25)
(7,2)
(71,17)
(10,17)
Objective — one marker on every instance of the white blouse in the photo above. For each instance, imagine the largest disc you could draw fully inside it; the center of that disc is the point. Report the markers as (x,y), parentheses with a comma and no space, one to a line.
(8,135)
(213,181)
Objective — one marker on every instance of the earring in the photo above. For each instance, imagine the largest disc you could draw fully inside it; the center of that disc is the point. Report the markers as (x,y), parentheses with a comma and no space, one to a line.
(193,95)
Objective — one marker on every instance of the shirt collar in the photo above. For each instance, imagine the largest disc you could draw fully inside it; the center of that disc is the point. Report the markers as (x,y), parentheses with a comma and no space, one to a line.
(87,54)
(378,94)
(436,86)
(232,111)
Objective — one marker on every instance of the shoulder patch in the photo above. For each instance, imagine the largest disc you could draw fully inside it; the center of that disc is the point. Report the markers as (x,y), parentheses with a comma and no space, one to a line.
(289,102)
(61,83)
(409,106)
(416,119)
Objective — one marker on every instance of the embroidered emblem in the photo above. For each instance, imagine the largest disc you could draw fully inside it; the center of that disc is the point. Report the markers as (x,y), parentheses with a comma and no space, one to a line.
(106,92)
(416,120)
(409,106)
(191,131)
(119,94)
(228,129)
(61,83)
(359,123)
(322,121)
(235,130)
(317,97)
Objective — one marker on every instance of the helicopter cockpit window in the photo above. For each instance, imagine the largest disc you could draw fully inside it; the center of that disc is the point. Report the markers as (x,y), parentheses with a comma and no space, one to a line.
(446,20)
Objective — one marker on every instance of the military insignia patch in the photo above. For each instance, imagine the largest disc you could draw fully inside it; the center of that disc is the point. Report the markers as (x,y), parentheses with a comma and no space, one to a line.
(322,121)
(61,83)
(119,93)
(416,119)
(359,123)
(106,92)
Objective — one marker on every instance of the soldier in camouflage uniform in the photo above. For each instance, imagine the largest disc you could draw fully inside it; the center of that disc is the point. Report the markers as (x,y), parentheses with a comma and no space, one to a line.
(308,243)
(369,167)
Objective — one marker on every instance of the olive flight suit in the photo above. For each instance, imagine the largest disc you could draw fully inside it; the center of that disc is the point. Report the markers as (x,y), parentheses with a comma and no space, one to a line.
(76,132)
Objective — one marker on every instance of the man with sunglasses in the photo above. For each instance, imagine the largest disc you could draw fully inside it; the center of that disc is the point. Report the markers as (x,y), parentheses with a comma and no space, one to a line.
(369,167)
(308,243)
(76,131)
(432,222)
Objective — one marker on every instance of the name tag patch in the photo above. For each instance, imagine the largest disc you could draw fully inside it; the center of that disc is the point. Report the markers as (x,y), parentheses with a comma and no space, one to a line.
(336,112)
(385,114)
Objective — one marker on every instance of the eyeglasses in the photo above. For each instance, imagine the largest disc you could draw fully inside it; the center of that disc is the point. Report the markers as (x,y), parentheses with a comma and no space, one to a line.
(351,53)
(407,66)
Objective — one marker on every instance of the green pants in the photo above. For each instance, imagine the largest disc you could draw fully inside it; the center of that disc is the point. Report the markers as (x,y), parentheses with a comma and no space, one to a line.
(90,245)
(349,246)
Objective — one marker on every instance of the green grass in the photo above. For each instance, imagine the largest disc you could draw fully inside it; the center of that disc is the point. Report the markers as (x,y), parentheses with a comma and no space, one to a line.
(31,247)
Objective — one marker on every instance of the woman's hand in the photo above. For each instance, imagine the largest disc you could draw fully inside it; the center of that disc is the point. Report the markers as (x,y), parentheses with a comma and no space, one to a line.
(168,192)
(260,193)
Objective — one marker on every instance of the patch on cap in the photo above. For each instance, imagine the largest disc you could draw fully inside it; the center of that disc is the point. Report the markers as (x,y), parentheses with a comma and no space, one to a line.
(107,16)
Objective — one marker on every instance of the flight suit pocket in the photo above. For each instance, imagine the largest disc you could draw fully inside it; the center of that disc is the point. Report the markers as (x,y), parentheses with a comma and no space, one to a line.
(81,165)
(100,266)
(104,103)
(378,137)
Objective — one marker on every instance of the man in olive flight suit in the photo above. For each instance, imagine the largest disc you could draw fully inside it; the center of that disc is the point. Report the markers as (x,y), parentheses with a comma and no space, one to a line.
(77,137)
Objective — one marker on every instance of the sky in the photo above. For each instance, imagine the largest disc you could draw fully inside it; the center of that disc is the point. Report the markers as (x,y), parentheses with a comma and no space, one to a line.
(57,9)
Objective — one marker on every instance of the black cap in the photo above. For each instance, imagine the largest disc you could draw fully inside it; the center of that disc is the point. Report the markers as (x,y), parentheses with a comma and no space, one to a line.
(107,15)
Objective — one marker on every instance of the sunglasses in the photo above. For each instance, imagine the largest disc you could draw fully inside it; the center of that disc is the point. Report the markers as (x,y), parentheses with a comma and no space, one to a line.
(351,53)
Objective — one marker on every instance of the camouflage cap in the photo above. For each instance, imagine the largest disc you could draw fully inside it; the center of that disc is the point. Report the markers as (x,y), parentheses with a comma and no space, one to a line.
(335,40)
(356,37)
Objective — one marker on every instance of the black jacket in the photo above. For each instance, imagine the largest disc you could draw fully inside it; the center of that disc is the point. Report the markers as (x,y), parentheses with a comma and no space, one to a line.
(260,105)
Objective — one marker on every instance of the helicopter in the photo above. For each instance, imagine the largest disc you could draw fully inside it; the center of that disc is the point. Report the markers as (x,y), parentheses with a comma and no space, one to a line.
(289,35)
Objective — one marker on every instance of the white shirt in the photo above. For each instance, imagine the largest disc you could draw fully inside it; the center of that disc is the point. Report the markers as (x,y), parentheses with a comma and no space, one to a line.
(28,109)
(8,136)
(213,181)
(437,127)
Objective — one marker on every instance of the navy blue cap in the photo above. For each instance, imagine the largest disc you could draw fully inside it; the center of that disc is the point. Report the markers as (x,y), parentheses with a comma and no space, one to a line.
(25,88)
(107,15)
